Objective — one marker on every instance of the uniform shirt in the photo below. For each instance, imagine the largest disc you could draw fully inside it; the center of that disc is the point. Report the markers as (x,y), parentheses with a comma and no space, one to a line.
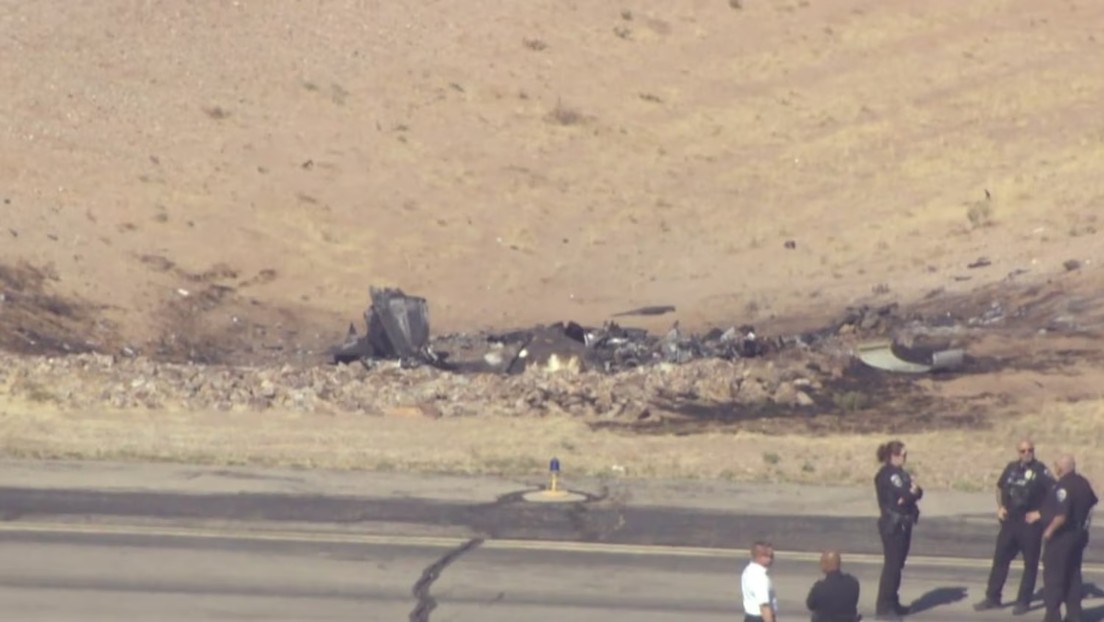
(892,484)
(1072,497)
(758,589)
(835,598)
(1024,487)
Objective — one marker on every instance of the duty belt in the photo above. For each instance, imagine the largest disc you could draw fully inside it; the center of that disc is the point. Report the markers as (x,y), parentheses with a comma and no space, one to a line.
(898,517)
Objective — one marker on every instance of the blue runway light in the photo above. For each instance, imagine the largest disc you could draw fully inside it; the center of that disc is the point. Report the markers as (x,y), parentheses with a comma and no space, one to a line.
(554,465)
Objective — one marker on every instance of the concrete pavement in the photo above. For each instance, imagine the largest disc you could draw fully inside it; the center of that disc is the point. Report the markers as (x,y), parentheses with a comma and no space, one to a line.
(215,575)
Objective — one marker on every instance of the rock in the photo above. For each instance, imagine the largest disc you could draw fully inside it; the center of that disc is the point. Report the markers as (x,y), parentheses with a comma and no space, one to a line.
(785,394)
(566,382)
(751,391)
(869,321)
(267,389)
(802,399)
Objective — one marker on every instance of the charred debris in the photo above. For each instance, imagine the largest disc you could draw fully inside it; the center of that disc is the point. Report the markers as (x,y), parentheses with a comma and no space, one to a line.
(398,330)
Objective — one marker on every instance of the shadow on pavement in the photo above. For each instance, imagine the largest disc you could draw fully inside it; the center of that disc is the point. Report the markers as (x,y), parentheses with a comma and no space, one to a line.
(936,598)
(1092,614)
(1090,590)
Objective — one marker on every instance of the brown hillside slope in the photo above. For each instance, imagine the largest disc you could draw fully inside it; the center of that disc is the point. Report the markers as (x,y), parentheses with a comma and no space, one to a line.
(534,161)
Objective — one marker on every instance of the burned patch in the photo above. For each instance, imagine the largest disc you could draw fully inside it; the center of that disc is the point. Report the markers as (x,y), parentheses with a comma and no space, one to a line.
(858,400)
(216,325)
(209,321)
(34,320)
(821,380)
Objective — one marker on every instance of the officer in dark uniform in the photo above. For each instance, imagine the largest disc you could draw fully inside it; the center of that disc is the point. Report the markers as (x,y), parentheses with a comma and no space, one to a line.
(1066,514)
(1021,490)
(897,496)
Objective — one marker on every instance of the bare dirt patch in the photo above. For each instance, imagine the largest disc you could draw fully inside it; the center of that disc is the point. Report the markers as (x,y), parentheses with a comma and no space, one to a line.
(211,319)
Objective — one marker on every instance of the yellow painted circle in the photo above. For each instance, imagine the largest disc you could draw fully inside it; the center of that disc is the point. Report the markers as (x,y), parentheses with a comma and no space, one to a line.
(550,496)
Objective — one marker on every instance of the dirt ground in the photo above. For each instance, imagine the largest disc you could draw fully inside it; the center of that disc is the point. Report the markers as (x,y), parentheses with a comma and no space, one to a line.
(221,182)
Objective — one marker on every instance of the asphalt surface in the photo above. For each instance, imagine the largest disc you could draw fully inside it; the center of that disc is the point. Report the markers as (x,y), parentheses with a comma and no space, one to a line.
(55,576)
(84,541)
(599,520)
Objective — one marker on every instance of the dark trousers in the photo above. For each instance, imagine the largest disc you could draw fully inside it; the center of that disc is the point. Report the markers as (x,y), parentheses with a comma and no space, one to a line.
(1016,537)
(748,618)
(896,540)
(1062,575)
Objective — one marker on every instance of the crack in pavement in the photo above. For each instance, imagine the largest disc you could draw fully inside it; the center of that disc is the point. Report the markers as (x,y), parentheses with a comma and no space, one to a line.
(426,603)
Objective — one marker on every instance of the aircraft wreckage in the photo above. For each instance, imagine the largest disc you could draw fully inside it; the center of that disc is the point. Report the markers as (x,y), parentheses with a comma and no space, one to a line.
(398,329)
(886,355)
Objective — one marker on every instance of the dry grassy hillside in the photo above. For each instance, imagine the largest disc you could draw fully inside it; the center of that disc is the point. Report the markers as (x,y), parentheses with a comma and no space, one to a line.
(535,161)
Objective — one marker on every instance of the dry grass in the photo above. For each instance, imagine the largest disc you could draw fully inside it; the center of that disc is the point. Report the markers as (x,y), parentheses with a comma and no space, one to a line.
(513,446)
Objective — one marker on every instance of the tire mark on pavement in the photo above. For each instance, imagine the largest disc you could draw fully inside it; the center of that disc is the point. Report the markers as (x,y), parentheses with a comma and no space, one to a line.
(425,601)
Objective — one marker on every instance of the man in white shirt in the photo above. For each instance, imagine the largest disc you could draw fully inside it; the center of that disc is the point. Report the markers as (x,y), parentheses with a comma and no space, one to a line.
(760,604)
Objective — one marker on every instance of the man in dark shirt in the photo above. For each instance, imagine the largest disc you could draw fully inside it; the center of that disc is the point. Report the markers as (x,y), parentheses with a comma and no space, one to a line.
(835,598)
(1066,514)
(1021,489)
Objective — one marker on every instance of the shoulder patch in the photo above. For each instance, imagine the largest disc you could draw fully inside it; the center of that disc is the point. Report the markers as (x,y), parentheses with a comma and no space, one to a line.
(896,480)
(1061,492)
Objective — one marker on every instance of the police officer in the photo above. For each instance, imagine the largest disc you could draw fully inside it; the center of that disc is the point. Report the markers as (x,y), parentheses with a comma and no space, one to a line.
(1021,490)
(1066,514)
(835,598)
(897,496)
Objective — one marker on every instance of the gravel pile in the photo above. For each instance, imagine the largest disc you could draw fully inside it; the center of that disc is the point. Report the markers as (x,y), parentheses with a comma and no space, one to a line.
(114,382)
